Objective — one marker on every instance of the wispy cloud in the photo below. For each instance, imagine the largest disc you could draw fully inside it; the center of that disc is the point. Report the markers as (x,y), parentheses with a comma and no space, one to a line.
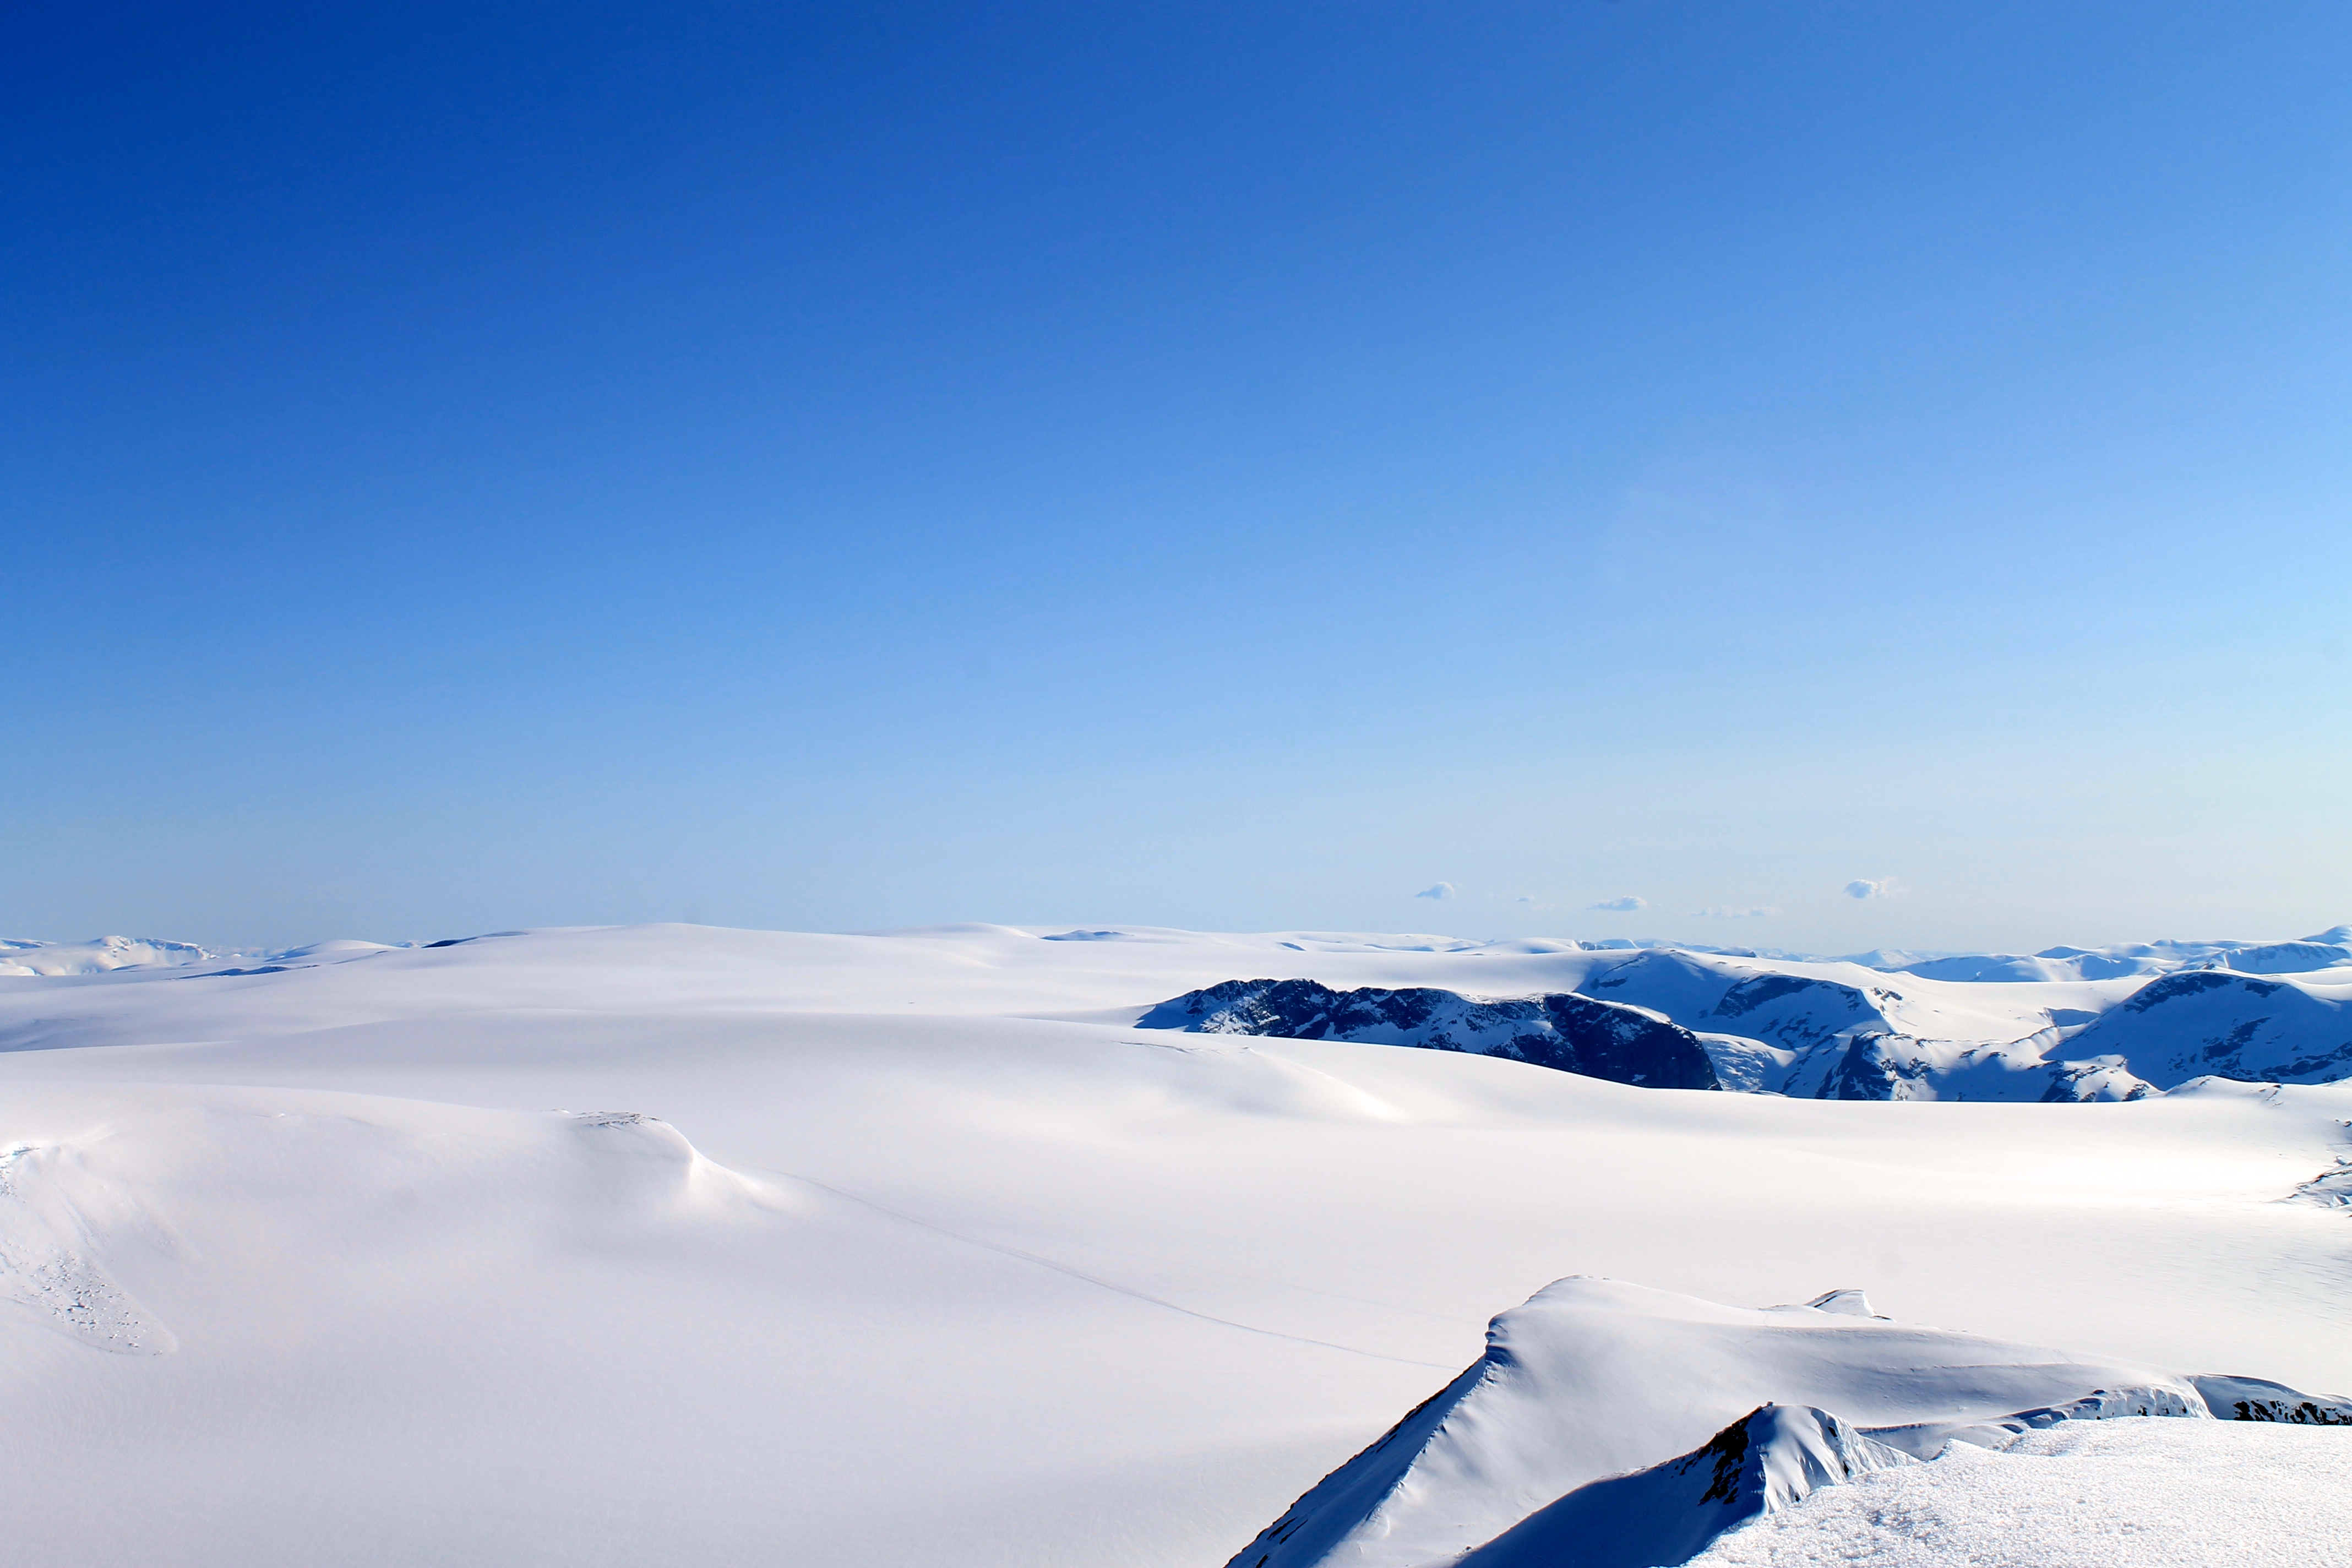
(1627,904)
(1726,912)
(1436,890)
(1871,888)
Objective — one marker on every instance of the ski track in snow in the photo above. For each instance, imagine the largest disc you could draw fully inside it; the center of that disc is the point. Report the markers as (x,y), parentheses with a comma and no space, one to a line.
(1111,1285)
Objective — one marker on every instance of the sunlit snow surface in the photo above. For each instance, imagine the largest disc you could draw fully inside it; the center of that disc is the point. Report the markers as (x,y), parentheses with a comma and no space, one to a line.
(678,1246)
(2138,1493)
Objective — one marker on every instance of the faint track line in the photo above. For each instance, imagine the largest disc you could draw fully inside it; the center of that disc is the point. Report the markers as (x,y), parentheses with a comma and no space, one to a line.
(1111,1285)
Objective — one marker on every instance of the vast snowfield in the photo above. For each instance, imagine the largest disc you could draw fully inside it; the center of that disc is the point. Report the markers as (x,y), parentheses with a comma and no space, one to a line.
(675,1245)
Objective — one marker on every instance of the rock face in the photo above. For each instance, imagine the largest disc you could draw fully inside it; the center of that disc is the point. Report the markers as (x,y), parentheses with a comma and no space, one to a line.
(2259,1399)
(1762,1463)
(1563,1031)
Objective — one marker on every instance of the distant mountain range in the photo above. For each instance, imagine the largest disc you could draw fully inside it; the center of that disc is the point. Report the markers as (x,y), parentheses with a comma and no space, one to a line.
(2066,1024)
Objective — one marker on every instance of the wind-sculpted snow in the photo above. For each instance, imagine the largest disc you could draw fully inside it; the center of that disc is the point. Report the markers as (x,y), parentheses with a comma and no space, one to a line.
(1597,1377)
(2331,1189)
(1768,1459)
(45,1262)
(1933,1439)
(1563,1031)
(2082,1494)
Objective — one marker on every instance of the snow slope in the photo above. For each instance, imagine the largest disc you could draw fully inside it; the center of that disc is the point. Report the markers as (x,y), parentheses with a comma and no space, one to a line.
(2103,1494)
(2202,1021)
(1764,1463)
(1593,1378)
(923,1253)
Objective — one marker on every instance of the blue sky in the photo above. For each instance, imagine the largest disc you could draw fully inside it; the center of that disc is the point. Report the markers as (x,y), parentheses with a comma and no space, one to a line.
(1220,465)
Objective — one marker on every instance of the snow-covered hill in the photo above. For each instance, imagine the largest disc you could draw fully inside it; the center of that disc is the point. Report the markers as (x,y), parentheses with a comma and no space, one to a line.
(1534,1457)
(669,1245)
(1595,1378)
(2282,1029)
(96,956)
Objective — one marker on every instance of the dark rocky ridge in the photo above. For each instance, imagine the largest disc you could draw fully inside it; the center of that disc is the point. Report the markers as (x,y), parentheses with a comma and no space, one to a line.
(1564,1031)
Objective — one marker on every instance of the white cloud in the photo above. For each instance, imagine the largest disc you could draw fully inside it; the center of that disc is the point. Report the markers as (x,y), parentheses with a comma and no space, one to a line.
(1628,903)
(1724,912)
(1436,890)
(1866,887)
(1524,899)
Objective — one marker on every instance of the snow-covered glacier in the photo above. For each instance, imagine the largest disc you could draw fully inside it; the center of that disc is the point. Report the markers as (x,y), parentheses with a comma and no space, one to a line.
(678,1244)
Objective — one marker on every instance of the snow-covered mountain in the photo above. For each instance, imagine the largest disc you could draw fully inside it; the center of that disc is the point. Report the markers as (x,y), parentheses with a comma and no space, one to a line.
(97,956)
(2282,1029)
(1546,1453)
(105,954)
(1836,1031)
(859,1249)
(2329,949)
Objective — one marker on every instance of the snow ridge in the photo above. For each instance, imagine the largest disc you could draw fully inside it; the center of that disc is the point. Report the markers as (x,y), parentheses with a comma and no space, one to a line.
(1595,1377)
(1762,1463)
(1562,1030)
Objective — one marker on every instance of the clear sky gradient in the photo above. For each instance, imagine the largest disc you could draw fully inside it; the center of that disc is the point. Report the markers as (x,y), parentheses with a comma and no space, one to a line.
(1228,465)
